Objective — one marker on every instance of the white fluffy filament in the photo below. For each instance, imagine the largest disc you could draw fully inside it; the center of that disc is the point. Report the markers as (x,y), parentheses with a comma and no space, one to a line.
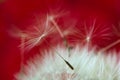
(87,66)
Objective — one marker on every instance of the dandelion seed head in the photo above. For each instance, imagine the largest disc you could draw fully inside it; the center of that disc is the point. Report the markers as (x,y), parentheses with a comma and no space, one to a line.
(87,66)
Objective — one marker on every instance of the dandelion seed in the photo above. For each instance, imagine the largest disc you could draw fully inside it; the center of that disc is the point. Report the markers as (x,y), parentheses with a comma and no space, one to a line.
(88,34)
(71,67)
(51,19)
(37,34)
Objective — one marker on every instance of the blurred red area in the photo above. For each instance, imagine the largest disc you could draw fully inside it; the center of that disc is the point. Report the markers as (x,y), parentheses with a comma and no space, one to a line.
(18,13)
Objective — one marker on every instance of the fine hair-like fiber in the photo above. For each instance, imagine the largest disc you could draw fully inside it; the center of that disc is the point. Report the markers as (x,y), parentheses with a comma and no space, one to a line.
(87,65)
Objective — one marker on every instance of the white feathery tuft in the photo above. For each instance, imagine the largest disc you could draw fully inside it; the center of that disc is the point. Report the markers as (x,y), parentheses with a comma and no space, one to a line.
(37,33)
(88,33)
(88,65)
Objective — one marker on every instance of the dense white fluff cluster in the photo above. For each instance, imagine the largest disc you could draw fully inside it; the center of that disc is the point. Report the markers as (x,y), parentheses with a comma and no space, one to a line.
(88,65)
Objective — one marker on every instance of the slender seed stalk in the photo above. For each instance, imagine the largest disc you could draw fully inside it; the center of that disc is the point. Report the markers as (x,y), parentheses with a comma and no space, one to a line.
(109,46)
(22,51)
(57,27)
(61,34)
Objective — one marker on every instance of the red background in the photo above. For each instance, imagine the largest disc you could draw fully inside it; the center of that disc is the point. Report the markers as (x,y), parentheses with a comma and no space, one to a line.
(18,13)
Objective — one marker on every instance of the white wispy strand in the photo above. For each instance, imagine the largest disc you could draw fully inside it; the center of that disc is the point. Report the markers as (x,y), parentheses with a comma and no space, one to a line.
(88,33)
(88,65)
(37,33)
